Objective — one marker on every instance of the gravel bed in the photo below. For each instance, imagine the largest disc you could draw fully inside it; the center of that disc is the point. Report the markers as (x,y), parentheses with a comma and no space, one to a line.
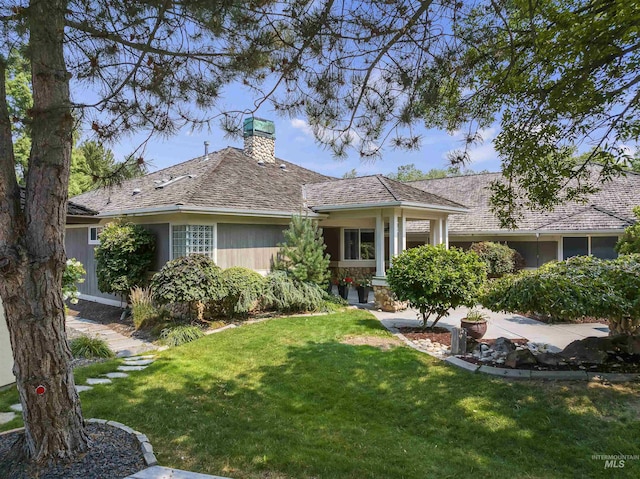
(113,454)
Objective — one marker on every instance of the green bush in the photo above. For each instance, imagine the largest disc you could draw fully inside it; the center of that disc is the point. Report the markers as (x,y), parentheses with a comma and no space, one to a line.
(71,277)
(572,289)
(243,287)
(143,311)
(499,258)
(302,253)
(90,348)
(629,243)
(434,279)
(123,257)
(285,294)
(188,280)
(180,335)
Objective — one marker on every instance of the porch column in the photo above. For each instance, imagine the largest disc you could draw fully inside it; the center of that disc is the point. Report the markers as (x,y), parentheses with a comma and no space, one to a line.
(403,232)
(393,235)
(379,245)
(440,231)
(433,234)
(446,232)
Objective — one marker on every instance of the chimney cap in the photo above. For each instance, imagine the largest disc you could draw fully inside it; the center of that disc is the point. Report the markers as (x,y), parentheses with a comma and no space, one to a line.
(259,127)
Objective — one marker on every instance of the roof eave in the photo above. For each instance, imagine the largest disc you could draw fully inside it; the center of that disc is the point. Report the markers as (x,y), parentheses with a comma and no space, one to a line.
(201,210)
(390,204)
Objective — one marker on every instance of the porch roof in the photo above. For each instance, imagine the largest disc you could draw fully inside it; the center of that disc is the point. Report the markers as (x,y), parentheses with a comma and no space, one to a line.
(372,191)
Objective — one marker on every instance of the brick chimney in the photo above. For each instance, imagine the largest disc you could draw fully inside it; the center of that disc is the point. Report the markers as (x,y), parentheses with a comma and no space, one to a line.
(260,139)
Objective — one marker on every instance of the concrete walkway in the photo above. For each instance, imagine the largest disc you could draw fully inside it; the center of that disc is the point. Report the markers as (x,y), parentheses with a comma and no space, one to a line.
(159,472)
(556,336)
(120,344)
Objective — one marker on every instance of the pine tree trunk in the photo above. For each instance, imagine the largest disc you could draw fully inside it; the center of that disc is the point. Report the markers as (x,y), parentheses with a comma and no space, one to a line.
(32,254)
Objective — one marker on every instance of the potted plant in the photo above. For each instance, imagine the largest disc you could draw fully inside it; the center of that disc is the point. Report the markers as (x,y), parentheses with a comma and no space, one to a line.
(363,286)
(343,282)
(475,323)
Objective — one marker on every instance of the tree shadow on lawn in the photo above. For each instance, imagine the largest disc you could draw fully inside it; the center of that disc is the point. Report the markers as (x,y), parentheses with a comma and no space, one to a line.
(332,410)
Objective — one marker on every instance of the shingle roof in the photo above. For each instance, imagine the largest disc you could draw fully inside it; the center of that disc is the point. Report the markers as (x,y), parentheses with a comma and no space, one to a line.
(226,179)
(73,209)
(609,208)
(370,190)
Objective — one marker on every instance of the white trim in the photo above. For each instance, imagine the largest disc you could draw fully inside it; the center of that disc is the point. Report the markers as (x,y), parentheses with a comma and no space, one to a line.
(445,222)
(97,299)
(393,235)
(97,240)
(201,210)
(403,232)
(379,245)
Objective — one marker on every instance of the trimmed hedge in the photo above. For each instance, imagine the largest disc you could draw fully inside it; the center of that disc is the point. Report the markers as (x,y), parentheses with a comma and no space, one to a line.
(575,288)
(123,257)
(243,287)
(434,279)
(193,280)
(499,258)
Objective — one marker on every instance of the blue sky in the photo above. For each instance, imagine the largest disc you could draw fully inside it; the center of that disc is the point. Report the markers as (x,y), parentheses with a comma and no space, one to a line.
(295,143)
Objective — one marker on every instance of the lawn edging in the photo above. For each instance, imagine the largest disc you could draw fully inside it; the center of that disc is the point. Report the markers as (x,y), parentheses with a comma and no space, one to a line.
(518,373)
(143,440)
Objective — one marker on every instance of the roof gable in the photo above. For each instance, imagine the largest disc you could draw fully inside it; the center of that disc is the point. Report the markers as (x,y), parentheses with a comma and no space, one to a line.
(370,190)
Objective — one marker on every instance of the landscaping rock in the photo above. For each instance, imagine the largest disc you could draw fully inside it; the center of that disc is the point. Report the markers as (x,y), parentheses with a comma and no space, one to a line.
(549,359)
(517,359)
(503,346)
(590,350)
(16,407)
(94,381)
(80,388)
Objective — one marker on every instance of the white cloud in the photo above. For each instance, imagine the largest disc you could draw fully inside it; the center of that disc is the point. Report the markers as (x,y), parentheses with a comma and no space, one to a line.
(302,125)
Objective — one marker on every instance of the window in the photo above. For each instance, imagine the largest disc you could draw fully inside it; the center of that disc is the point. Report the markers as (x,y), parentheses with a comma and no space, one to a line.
(359,244)
(94,234)
(575,246)
(192,239)
(603,247)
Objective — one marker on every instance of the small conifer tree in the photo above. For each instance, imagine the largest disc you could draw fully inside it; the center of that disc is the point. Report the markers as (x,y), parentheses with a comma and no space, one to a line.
(302,254)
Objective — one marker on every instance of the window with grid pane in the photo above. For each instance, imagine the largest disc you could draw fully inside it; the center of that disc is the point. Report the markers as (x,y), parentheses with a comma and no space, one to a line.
(192,239)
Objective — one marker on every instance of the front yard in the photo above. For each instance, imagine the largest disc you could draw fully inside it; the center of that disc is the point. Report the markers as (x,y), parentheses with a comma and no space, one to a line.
(314,397)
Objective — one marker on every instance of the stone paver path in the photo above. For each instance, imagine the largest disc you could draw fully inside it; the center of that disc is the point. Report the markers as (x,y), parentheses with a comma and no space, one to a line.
(120,344)
(5,417)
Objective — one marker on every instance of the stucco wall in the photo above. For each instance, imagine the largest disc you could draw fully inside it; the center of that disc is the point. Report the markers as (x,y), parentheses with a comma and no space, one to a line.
(6,356)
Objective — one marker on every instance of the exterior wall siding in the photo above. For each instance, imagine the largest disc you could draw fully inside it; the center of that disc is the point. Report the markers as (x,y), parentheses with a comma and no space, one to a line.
(76,244)
(6,356)
(161,232)
(248,245)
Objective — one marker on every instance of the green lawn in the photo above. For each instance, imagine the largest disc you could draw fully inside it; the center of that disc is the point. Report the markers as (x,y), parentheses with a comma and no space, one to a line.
(287,398)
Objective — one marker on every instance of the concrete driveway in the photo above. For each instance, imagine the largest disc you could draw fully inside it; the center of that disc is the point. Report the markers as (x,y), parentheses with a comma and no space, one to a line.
(557,336)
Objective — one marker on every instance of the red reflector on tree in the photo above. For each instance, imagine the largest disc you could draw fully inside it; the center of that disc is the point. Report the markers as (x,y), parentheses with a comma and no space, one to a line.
(40,390)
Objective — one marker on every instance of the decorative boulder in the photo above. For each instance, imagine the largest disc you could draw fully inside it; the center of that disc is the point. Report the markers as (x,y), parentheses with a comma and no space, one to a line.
(503,346)
(549,359)
(520,358)
(589,350)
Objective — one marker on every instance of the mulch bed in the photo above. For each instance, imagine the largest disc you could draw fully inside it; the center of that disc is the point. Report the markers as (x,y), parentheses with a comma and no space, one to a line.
(436,335)
(113,454)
